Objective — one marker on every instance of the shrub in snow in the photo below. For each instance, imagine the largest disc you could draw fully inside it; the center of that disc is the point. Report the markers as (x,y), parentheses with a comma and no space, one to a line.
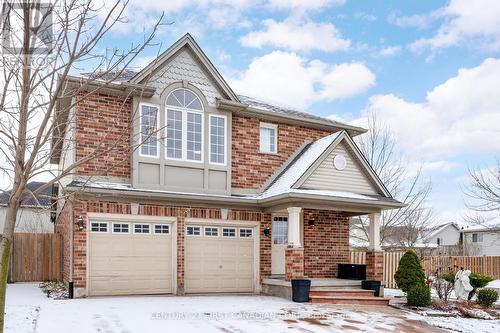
(443,284)
(419,295)
(478,281)
(409,272)
(486,297)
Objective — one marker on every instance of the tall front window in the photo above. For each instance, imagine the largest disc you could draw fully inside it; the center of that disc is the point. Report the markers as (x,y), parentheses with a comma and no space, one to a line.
(149,130)
(184,133)
(217,139)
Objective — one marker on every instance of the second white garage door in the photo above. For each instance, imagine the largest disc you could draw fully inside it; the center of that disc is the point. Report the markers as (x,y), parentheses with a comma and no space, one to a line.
(127,258)
(219,259)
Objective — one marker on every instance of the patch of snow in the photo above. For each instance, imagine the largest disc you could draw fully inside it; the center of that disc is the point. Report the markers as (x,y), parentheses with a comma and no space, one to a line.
(459,324)
(29,310)
(390,292)
(495,284)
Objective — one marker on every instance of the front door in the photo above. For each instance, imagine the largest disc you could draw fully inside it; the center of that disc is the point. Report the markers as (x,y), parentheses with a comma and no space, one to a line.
(280,240)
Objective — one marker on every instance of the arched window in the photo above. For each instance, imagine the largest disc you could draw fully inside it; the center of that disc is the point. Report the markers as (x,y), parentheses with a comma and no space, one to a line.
(184,126)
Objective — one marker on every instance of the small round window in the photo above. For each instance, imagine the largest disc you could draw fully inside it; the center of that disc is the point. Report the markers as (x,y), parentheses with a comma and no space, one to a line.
(339,162)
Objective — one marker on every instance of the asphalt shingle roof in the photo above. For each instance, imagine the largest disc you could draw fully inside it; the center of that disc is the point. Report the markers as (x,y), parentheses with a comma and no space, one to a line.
(43,199)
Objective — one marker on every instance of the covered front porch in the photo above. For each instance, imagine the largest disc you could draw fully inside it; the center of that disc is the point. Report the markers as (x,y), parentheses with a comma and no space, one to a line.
(310,241)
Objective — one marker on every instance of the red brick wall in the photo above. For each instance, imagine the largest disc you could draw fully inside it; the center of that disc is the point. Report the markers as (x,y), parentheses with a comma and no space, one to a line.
(103,125)
(326,243)
(250,168)
(375,265)
(294,264)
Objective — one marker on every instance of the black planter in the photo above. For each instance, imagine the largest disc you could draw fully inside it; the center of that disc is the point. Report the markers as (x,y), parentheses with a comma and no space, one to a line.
(300,290)
(371,285)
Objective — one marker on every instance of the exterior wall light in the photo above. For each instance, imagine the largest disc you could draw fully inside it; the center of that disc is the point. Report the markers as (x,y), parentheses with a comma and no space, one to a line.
(311,223)
(80,223)
(267,232)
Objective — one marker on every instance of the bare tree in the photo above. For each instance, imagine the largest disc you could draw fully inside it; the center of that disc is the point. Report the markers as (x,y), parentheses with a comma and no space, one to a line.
(399,227)
(483,193)
(50,42)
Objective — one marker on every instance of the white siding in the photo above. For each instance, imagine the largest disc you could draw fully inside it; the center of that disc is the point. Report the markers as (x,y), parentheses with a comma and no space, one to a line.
(184,67)
(490,246)
(30,220)
(351,179)
(448,236)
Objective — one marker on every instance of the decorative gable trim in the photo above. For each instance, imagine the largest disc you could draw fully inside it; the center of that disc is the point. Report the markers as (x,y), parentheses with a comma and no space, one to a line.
(366,167)
(188,41)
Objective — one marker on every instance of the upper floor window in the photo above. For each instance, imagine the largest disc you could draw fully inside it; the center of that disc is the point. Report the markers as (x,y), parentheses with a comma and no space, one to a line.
(477,238)
(217,139)
(268,138)
(149,130)
(184,137)
(438,241)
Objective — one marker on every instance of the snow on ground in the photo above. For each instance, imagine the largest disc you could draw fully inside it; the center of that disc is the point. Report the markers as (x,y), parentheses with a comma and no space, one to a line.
(28,310)
(453,324)
(459,324)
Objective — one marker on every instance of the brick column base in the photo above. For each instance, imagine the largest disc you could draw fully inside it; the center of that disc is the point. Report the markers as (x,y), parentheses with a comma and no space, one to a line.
(294,263)
(375,265)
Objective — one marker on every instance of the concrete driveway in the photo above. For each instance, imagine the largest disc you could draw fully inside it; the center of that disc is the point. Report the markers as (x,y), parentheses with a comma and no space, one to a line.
(28,310)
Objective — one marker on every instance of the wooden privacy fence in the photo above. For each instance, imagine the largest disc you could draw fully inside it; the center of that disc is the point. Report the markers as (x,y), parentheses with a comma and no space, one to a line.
(483,265)
(36,257)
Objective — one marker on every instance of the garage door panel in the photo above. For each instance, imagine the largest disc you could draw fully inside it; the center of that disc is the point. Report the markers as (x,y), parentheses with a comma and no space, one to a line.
(122,264)
(219,264)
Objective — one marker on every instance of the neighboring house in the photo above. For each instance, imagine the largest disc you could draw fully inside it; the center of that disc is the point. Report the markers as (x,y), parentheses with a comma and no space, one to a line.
(34,216)
(447,234)
(481,240)
(231,190)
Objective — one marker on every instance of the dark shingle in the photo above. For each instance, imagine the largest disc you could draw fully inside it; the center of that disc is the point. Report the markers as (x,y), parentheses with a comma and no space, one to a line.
(43,199)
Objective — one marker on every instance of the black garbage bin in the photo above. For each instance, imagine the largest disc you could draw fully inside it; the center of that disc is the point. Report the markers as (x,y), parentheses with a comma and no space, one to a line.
(371,285)
(300,290)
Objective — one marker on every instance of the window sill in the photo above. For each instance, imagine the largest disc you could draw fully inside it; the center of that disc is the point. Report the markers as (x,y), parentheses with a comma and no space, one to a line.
(265,153)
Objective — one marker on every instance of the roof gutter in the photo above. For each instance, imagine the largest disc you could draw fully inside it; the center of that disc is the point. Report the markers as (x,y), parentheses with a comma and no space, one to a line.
(121,88)
(236,201)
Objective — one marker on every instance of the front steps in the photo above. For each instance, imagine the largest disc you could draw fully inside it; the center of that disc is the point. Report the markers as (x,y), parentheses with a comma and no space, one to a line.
(345,296)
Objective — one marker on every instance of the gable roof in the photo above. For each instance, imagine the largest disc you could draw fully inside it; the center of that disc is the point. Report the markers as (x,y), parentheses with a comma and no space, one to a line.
(284,111)
(42,200)
(305,162)
(433,232)
(186,41)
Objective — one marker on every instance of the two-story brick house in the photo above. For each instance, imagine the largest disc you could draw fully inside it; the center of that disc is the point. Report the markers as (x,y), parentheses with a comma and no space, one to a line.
(221,193)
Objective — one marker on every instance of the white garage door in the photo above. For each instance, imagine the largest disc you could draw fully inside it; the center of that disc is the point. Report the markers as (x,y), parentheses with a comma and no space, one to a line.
(130,258)
(219,259)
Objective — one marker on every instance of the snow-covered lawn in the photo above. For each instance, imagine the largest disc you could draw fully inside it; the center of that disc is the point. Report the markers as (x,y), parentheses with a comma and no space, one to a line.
(28,310)
(438,319)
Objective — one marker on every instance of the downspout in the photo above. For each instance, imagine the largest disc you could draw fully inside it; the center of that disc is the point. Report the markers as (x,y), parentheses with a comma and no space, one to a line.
(71,247)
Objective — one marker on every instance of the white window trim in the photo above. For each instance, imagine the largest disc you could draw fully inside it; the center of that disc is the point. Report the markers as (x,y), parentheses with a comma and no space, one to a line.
(239,232)
(142,233)
(210,116)
(119,232)
(194,226)
(184,112)
(235,232)
(99,232)
(269,126)
(157,129)
(161,233)
(211,227)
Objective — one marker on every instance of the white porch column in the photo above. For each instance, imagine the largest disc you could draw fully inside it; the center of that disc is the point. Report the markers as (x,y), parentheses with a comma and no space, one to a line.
(294,226)
(374,232)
